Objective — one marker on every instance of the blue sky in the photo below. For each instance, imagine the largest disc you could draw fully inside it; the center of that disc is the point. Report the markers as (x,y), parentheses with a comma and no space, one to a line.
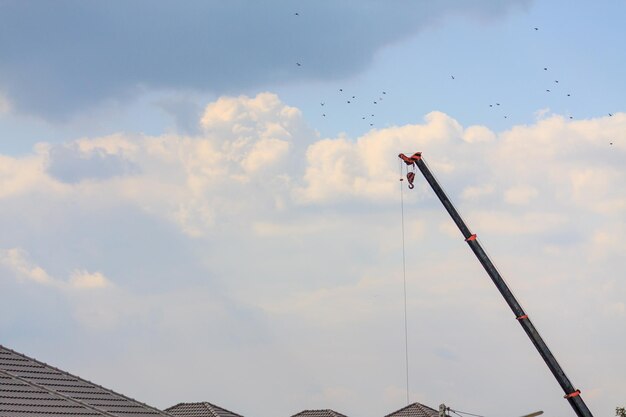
(178,205)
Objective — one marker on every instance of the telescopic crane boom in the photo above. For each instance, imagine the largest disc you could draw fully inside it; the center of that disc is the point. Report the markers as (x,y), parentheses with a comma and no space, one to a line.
(572,395)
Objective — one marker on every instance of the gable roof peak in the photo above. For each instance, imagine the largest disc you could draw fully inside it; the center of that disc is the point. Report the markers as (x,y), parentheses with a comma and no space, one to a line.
(200,409)
(415,410)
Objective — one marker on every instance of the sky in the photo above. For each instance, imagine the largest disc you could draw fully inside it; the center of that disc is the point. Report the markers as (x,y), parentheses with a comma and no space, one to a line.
(200,201)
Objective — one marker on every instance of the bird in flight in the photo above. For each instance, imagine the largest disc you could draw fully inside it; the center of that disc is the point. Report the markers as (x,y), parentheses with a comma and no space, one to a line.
(545,68)
(610,114)
(536,28)
(297,14)
(452,76)
(298,64)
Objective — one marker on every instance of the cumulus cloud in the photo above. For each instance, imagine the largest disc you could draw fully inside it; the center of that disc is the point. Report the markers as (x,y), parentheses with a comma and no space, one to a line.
(25,174)
(473,192)
(304,232)
(255,44)
(73,163)
(366,168)
(520,194)
(244,142)
(19,263)
(85,279)
(261,148)
(478,134)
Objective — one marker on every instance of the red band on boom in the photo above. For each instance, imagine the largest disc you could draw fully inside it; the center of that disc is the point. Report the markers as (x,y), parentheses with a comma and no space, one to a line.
(472,237)
(525,316)
(572,394)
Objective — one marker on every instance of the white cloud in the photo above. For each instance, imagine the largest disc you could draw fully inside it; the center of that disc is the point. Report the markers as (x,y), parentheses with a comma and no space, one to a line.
(501,222)
(265,153)
(520,194)
(475,192)
(342,169)
(17,261)
(81,278)
(250,147)
(237,117)
(23,175)
(306,231)
(475,134)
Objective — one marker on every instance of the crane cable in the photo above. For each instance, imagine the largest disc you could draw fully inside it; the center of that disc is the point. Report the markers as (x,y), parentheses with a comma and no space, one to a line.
(406,333)
(458,413)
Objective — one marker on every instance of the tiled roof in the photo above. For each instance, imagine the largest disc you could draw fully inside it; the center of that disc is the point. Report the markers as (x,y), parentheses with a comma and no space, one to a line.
(318,413)
(29,388)
(203,409)
(415,410)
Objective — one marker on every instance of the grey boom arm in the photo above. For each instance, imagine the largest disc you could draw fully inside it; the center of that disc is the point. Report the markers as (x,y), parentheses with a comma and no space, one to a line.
(572,395)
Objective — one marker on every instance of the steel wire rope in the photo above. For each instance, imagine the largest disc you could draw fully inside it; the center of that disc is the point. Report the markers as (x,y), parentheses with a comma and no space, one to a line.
(406,331)
(458,412)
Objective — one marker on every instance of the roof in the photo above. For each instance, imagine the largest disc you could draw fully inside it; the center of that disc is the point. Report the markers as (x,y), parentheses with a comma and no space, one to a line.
(203,409)
(415,410)
(318,413)
(31,388)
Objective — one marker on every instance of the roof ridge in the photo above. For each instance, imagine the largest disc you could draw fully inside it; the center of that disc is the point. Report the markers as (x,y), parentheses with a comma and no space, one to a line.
(54,392)
(211,410)
(328,410)
(425,406)
(87,381)
(222,408)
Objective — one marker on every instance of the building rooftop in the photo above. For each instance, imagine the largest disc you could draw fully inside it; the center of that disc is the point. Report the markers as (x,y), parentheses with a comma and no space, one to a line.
(32,388)
(318,413)
(203,409)
(415,410)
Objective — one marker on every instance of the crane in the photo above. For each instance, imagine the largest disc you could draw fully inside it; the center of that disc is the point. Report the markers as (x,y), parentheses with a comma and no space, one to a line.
(572,395)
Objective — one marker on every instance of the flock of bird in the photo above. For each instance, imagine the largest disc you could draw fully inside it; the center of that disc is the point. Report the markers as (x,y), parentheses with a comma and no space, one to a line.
(368,116)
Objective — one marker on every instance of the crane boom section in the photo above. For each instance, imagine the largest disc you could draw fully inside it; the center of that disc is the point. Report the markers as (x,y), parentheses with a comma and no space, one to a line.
(571,394)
